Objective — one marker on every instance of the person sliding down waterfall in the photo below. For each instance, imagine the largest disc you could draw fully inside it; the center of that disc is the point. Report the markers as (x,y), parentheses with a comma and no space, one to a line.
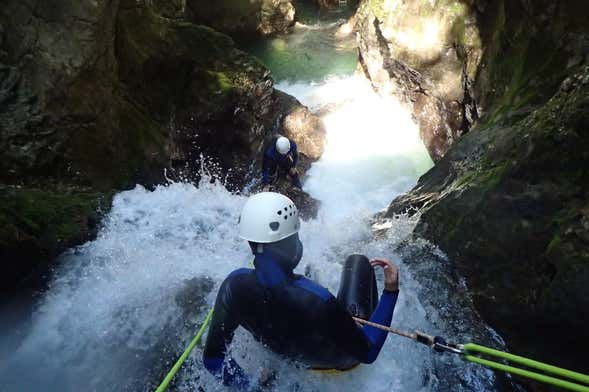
(292,315)
(280,160)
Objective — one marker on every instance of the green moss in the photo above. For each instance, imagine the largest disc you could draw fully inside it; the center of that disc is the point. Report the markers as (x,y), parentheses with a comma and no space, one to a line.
(492,176)
(487,176)
(523,64)
(554,245)
(220,82)
(466,178)
(48,217)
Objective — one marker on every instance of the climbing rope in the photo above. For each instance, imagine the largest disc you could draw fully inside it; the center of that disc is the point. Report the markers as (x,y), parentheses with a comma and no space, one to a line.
(164,385)
(471,352)
(472,348)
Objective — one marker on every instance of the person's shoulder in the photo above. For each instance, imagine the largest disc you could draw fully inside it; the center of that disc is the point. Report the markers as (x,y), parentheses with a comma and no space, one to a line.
(239,273)
(237,280)
(312,287)
(270,151)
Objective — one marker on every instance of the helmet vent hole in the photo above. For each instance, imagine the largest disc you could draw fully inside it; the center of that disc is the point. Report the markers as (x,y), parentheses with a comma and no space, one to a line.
(279,212)
(274,226)
(285,209)
(285,217)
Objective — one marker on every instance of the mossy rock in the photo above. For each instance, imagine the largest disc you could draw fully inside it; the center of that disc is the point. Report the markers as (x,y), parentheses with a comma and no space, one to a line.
(36,224)
(510,207)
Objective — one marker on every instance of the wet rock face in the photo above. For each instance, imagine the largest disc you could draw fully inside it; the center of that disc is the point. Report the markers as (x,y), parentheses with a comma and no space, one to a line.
(530,48)
(427,53)
(507,202)
(237,16)
(509,205)
(300,125)
(455,61)
(98,96)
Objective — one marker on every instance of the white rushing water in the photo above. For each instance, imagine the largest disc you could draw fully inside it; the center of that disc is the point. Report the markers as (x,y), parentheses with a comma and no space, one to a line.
(121,304)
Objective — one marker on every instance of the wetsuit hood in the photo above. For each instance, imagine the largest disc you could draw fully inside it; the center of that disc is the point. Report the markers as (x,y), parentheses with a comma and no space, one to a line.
(277,260)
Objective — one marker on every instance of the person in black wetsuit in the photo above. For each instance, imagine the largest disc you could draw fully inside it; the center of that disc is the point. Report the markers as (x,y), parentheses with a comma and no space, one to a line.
(289,313)
(280,160)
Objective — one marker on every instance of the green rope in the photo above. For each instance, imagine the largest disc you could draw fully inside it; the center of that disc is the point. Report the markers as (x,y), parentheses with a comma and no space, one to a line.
(468,348)
(164,385)
(471,347)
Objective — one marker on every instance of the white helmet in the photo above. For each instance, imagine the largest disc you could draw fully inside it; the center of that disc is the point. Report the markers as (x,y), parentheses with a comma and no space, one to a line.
(268,217)
(282,145)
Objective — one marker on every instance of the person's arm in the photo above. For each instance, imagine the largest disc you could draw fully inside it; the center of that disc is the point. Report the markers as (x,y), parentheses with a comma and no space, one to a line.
(268,166)
(295,154)
(220,335)
(383,314)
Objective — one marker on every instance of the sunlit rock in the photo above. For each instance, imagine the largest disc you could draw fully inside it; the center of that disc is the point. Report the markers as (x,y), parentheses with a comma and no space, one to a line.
(306,130)
(426,52)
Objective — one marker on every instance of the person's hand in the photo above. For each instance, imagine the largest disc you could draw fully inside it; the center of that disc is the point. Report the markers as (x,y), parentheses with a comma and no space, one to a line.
(391,273)
(293,172)
(267,188)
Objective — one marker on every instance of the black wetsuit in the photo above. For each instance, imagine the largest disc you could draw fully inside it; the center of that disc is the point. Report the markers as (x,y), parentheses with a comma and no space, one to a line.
(297,318)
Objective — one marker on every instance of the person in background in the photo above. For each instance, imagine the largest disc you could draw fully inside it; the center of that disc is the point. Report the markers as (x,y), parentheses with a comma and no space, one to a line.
(280,160)
(290,314)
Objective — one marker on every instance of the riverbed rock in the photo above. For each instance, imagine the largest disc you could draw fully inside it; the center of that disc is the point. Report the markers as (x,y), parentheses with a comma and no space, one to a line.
(100,96)
(243,17)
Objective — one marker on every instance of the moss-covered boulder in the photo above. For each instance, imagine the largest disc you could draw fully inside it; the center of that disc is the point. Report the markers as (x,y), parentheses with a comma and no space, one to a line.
(36,224)
(98,96)
(510,206)
(238,16)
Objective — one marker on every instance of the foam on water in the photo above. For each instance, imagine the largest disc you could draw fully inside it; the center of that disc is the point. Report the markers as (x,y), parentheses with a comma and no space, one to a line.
(117,307)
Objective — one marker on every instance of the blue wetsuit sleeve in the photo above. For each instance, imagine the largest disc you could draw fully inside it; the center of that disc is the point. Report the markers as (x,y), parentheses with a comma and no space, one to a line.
(220,335)
(383,314)
(268,166)
(295,154)
(265,177)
